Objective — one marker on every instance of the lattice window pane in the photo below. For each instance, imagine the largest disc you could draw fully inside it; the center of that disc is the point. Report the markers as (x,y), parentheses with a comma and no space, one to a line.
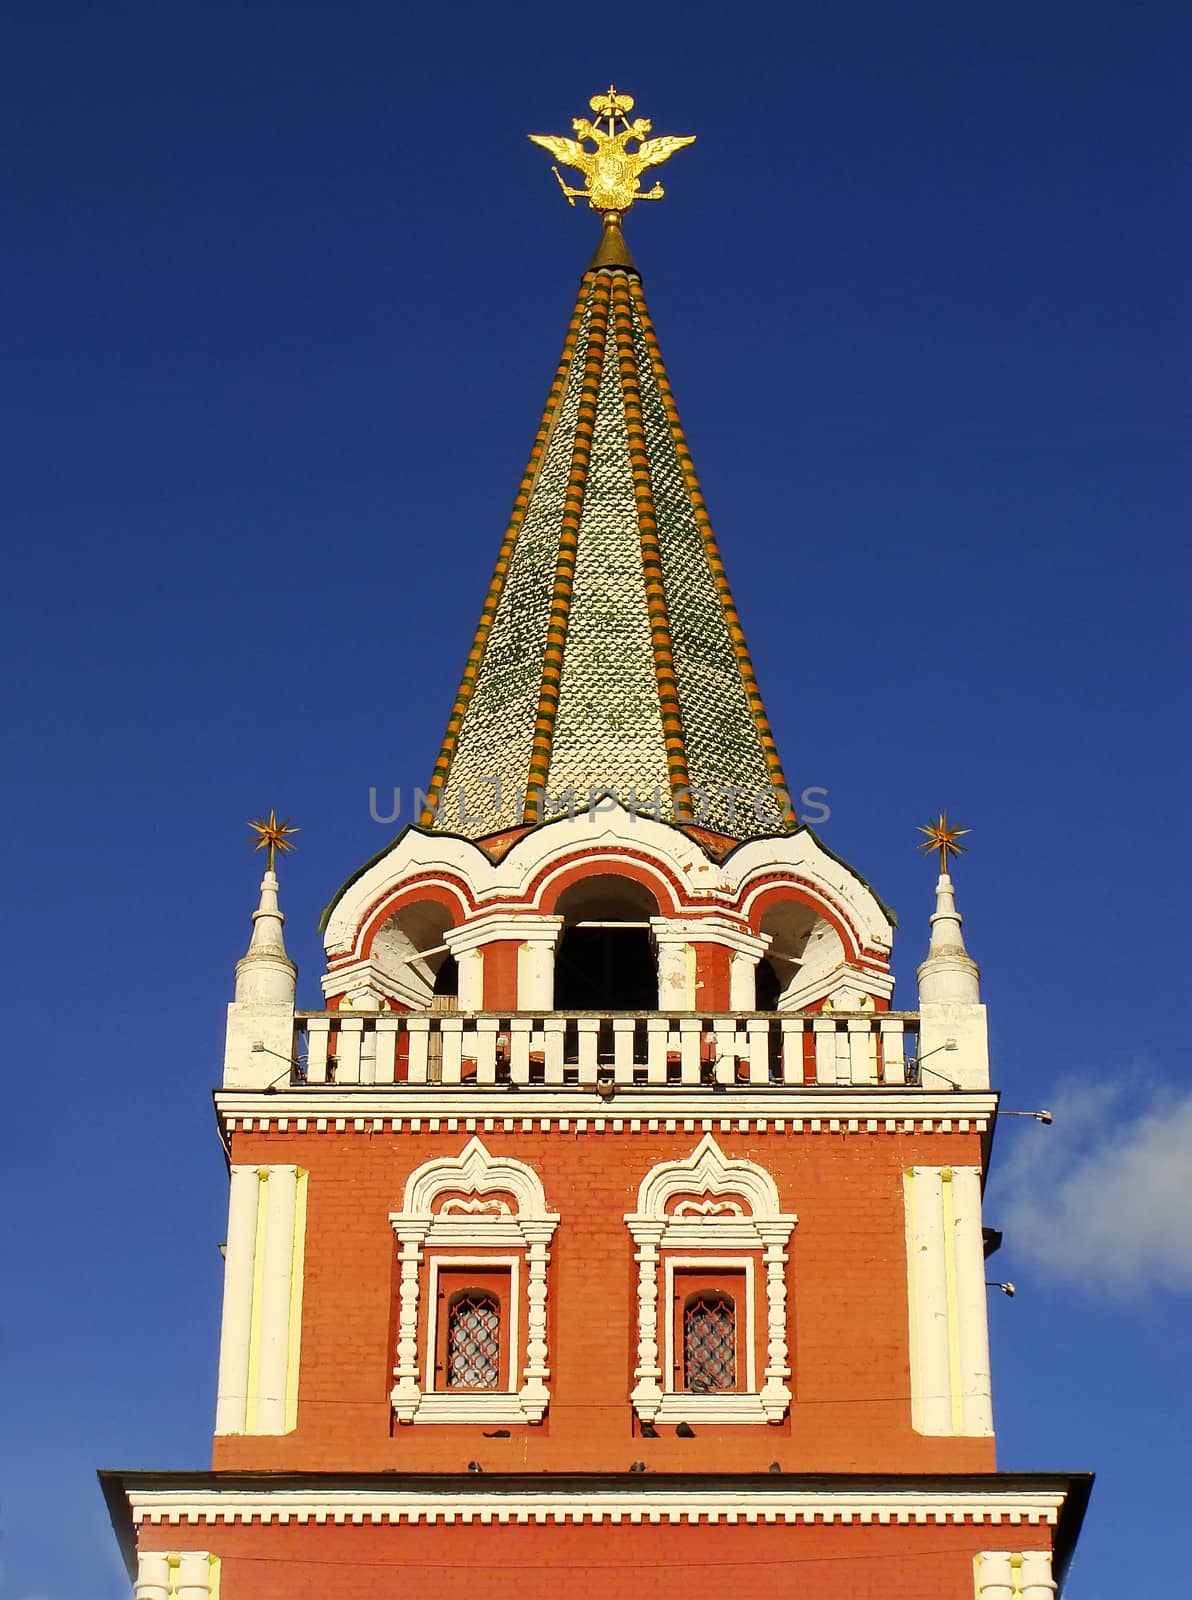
(474,1342)
(709,1343)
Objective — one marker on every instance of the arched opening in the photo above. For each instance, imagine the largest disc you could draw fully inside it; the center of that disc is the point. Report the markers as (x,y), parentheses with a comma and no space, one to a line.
(474,1340)
(709,1342)
(410,952)
(804,950)
(769,986)
(605,957)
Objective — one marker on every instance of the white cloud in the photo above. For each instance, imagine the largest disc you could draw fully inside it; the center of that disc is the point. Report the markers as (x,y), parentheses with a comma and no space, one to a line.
(1103,1198)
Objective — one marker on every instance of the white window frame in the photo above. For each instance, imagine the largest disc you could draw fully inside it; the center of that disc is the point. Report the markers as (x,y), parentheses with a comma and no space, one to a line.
(713,1266)
(440,1263)
(738,1221)
(478,1234)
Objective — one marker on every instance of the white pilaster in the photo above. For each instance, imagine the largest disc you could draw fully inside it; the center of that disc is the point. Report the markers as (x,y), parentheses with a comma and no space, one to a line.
(534,1390)
(647,1392)
(236,1326)
(153,1576)
(994,1575)
(927,1282)
(971,1308)
(276,1293)
(1035,1577)
(195,1579)
(406,1391)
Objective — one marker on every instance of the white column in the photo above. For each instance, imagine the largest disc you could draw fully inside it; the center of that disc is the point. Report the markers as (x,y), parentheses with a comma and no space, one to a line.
(775,1394)
(536,975)
(239,1253)
(994,1575)
(534,1393)
(1035,1577)
(742,981)
(471,979)
(406,1392)
(153,1576)
(674,991)
(972,1301)
(647,1392)
(931,1390)
(194,1576)
(274,1320)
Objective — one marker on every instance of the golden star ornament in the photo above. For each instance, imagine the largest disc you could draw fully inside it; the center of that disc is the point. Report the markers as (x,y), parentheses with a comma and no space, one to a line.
(944,836)
(273,836)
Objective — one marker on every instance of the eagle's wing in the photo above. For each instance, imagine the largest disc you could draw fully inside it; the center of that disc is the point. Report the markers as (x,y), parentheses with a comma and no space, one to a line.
(569,151)
(655,151)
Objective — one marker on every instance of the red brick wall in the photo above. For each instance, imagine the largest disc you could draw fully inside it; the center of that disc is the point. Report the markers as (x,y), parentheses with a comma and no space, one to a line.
(611,1562)
(847,1308)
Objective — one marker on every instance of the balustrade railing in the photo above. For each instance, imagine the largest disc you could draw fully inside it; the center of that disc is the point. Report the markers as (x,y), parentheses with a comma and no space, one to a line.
(465,1049)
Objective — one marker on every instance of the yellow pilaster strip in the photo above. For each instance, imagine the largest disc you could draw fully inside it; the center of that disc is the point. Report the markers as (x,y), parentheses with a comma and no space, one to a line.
(504,557)
(254,1327)
(573,507)
(296,1267)
(716,567)
(955,1389)
(647,521)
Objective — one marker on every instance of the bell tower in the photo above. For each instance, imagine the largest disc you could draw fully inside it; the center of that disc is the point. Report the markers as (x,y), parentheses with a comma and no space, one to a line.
(603,1227)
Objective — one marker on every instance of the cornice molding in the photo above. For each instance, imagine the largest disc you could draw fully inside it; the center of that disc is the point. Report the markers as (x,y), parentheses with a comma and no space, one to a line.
(371,1109)
(341,1507)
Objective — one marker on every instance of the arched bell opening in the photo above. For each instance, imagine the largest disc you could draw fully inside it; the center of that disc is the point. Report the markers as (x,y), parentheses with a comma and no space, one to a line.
(605,957)
(768,985)
(804,951)
(410,955)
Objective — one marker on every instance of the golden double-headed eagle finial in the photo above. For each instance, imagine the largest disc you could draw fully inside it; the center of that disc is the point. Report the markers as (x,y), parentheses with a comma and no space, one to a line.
(612,172)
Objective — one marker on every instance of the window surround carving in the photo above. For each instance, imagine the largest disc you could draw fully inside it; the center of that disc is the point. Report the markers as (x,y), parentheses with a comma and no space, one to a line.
(736,1221)
(472,1232)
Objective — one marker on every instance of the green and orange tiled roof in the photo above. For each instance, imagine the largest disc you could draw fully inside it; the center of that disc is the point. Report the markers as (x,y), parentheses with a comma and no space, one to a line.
(609,657)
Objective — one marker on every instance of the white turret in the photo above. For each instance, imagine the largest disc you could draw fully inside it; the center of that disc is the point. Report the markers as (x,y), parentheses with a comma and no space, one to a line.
(260,1037)
(265,975)
(949,973)
(952,1028)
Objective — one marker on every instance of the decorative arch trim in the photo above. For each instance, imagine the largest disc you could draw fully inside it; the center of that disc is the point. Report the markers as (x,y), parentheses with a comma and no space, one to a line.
(707,1171)
(696,1231)
(474,1171)
(474,1232)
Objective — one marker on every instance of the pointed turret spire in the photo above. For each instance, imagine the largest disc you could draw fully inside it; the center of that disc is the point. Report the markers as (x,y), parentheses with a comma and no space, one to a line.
(265,975)
(609,659)
(949,973)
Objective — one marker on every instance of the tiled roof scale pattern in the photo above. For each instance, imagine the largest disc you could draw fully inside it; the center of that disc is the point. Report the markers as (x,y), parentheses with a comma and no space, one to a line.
(609,656)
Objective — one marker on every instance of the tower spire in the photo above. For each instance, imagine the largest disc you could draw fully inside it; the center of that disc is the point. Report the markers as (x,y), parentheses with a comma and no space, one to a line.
(265,974)
(609,662)
(949,974)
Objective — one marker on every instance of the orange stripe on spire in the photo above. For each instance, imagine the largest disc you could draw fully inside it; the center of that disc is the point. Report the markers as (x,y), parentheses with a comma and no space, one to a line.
(573,506)
(504,557)
(647,520)
(716,566)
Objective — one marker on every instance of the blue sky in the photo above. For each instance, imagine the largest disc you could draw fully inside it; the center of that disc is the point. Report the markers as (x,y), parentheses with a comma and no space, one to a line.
(285,286)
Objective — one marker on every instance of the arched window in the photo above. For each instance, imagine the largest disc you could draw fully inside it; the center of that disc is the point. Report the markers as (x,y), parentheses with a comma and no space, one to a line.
(474,1340)
(605,959)
(709,1342)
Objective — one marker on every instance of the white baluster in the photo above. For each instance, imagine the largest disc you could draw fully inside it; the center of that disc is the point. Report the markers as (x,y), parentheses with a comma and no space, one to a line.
(386,1048)
(893,1058)
(318,1030)
(418,1029)
(656,1037)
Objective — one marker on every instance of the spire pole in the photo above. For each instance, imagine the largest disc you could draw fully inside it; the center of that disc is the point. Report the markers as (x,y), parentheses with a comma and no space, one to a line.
(265,972)
(949,972)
